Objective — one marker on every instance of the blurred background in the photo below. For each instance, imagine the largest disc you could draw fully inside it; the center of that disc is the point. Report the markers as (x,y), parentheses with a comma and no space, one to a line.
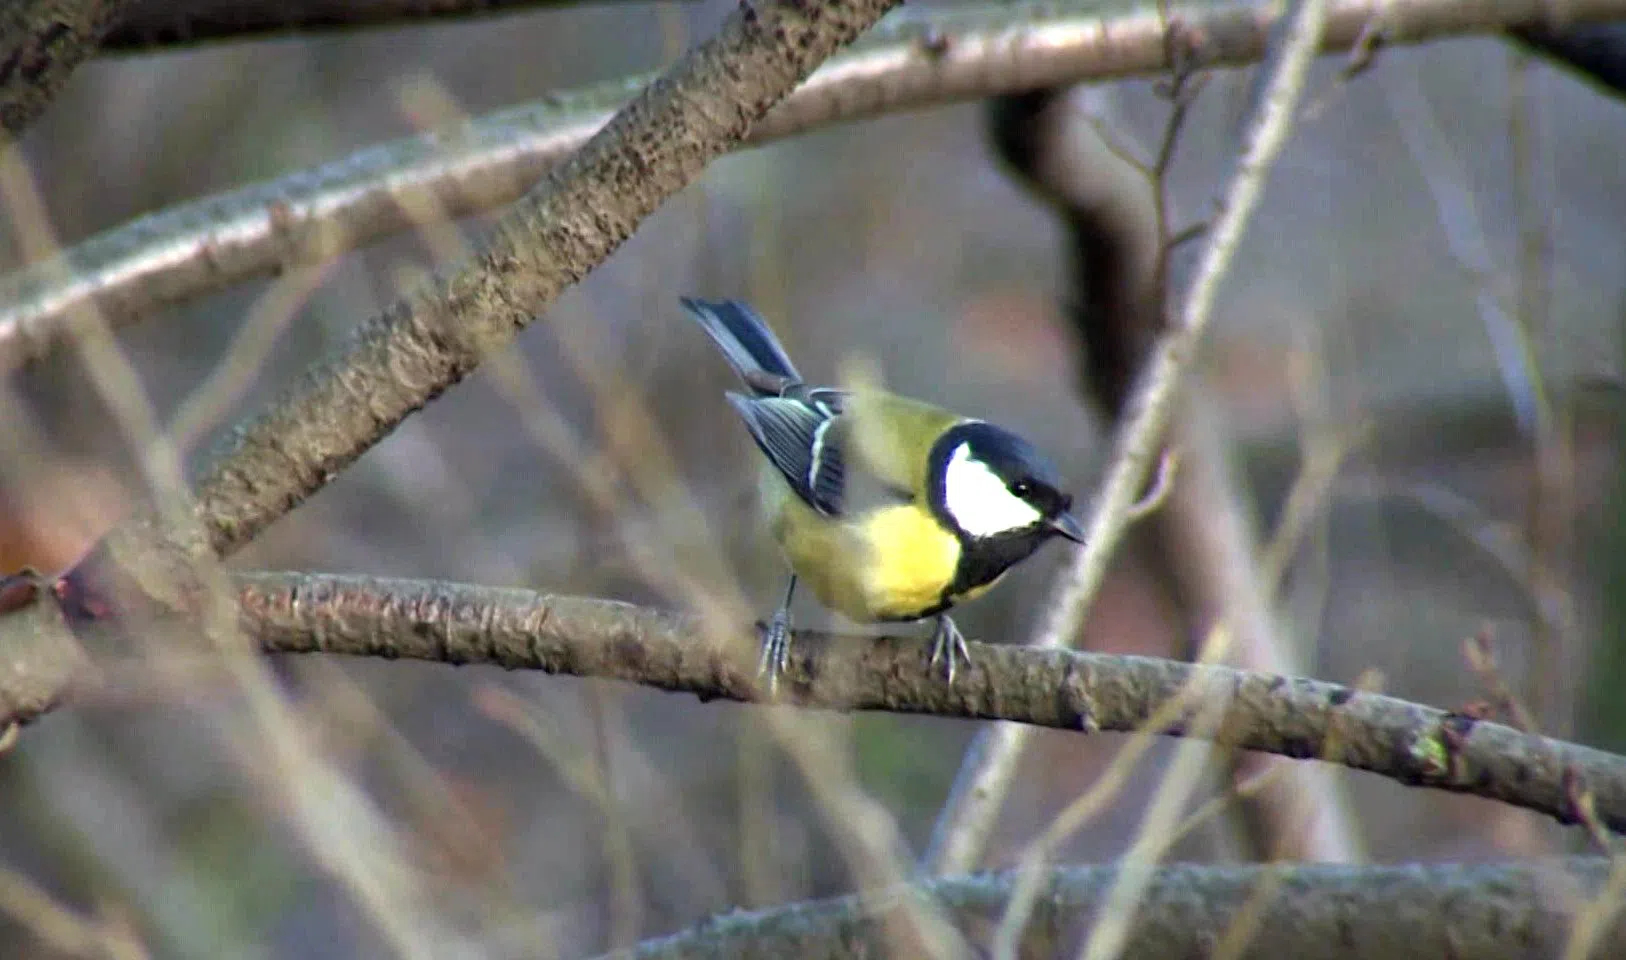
(560,817)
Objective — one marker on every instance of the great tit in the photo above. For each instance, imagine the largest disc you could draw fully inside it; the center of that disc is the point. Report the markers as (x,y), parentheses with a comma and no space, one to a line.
(889,508)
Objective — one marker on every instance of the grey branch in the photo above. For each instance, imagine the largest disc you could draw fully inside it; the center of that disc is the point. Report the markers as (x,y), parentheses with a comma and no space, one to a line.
(913,60)
(1485,911)
(1068,690)
(41,42)
(583,209)
(152,23)
(42,665)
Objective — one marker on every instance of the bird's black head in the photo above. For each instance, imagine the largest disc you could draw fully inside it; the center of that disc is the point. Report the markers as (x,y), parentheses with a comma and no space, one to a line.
(991,485)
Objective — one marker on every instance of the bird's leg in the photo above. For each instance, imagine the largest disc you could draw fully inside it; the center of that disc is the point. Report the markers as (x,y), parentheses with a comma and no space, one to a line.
(948,644)
(776,645)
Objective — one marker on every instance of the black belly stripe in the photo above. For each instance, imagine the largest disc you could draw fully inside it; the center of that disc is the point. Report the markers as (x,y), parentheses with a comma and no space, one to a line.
(983,561)
(931,611)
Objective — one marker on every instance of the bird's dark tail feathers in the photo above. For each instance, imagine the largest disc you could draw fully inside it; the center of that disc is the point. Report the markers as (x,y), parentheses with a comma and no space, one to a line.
(747,343)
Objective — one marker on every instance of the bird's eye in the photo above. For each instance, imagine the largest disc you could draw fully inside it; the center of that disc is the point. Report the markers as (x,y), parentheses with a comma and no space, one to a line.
(1022,487)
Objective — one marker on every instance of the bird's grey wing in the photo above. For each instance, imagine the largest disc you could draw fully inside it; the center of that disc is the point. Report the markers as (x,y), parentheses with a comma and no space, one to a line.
(802,439)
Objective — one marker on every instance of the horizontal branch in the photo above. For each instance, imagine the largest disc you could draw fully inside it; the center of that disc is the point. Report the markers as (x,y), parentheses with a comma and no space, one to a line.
(911,60)
(41,664)
(151,23)
(1318,912)
(1068,690)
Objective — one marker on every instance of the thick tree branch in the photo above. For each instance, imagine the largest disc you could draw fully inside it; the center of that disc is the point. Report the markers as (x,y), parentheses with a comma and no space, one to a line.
(400,360)
(152,23)
(1061,689)
(1483,911)
(914,60)
(41,42)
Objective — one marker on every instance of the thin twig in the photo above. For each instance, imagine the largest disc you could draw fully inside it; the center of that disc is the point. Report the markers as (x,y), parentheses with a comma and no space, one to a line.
(635,470)
(1162,482)
(986,772)
(57,926)
(1109,934)
(177,255)
(342,829)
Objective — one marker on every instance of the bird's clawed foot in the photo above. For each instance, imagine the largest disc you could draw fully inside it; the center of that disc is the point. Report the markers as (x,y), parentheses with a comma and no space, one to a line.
(948,645)
(775,649)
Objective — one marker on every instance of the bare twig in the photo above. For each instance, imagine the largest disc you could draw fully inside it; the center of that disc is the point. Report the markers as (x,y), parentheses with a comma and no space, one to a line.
(58,926)
(1108,201)
(1108,935)
(1111,781)
(1481,657)
(1552,499)
(153,23)
(1495,911)
(208,404)
(341,827)
(592,781)
(985,774)
(174,256)
(1162,482)
(1030,873)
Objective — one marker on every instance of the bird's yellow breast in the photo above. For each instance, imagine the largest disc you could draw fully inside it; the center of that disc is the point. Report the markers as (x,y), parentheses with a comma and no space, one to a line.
(890,563)
(912,560)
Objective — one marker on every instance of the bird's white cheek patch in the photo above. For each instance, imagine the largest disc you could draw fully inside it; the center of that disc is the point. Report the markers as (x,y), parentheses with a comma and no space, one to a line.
(979,501)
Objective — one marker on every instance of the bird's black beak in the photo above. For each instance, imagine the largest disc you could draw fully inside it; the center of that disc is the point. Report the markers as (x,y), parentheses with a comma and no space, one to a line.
(1068,526)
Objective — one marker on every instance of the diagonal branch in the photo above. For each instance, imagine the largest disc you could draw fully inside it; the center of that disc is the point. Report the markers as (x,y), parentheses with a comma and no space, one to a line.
(398,361)
(916,59)
(1495,911)
(41,42)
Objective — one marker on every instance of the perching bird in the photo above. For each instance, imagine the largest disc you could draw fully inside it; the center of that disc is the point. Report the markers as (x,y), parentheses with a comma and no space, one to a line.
(889,508)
